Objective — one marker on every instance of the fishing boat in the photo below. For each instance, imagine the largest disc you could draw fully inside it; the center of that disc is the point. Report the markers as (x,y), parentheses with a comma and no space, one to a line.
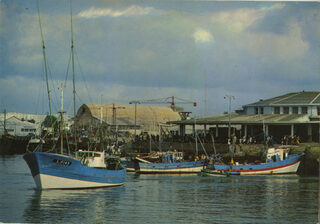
(67,170)
(172,163)
(278,161)
(56,171)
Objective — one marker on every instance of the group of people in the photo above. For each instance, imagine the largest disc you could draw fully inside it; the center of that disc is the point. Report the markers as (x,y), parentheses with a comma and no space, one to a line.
(290,140)
(242,140)
(269,140)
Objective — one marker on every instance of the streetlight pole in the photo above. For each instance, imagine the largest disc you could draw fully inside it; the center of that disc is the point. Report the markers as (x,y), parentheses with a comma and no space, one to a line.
(135,117)
(230,98)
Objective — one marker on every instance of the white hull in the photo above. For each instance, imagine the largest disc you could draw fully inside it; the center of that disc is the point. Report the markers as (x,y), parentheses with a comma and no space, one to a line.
(282,170)
(44,181)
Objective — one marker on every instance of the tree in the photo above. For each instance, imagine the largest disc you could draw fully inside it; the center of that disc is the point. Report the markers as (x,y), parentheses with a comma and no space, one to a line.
(51,122)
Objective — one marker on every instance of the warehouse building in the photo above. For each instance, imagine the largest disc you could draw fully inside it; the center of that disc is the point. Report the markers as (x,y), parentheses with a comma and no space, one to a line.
(139,118)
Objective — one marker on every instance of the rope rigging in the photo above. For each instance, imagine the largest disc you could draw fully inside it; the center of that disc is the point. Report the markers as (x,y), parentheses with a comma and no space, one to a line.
(44,58)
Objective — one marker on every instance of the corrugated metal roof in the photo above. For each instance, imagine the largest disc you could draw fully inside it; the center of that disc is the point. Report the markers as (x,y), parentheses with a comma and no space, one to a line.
(299,98)
(249,119)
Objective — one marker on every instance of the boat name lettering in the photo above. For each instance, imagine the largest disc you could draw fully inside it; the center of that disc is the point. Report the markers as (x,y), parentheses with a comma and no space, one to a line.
(62,162)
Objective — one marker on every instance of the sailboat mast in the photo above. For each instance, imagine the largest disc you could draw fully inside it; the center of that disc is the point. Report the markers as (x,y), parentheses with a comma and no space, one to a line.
(62,122)
(45,62)
(5,122)
(74,83)
(205,93)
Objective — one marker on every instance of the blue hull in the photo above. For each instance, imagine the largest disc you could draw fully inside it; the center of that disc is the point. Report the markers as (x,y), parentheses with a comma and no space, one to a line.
(288,166)
(170,168)
(54,171)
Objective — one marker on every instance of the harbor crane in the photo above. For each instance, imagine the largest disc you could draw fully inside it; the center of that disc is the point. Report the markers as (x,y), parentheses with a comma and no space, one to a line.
(168,100)
(114,113)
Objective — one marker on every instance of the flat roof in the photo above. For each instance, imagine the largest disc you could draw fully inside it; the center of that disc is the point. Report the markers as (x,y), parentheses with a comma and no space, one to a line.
(248,119)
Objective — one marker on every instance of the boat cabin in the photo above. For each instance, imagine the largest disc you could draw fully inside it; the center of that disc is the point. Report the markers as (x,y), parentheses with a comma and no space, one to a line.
(91,158)
(172,157)
(274,155)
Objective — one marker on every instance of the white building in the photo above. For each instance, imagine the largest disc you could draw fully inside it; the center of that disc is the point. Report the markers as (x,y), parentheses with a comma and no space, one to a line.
(23,124)
(17,127)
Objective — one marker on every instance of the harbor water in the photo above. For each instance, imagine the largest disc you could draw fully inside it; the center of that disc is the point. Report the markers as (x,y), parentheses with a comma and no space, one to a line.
(160,199)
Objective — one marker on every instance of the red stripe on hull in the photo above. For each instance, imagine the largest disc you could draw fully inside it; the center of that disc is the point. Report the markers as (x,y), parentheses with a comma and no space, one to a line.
(163,172)
(265,169)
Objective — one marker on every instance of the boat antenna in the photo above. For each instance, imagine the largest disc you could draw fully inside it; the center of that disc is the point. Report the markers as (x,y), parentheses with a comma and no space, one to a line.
(45,63)
(196,136)
(74,84)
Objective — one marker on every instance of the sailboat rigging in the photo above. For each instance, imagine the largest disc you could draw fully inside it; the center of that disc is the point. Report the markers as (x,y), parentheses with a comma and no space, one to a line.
(45,62)
(74,84)
(85,169)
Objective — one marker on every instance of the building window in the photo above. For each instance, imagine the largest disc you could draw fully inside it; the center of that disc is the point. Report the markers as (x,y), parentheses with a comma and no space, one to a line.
(304,110)
(261,110)
(295,110)
(277,110)
(256,110)
(286,110)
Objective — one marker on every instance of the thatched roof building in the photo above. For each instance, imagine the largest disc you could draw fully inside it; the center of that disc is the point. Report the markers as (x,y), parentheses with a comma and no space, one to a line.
(147,117)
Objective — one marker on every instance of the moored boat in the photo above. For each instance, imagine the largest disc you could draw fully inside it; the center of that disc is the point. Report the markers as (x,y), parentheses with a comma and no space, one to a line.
(83,169)
(172,163)
(56,171)
(278,161)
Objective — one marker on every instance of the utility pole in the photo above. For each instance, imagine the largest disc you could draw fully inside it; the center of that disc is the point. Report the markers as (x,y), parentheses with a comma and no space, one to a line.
(101,109)
(135,117)
(230,98)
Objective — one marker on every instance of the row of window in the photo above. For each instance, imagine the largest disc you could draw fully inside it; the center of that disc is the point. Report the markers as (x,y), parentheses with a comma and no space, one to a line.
(276,110)
(22,129)
(28,130)
(295,110)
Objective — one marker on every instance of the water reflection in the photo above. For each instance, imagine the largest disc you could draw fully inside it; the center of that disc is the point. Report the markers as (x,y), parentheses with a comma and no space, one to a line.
(160,199)
(62,206)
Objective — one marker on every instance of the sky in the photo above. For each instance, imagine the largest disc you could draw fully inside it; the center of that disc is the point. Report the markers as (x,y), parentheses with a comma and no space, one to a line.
(140,50)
